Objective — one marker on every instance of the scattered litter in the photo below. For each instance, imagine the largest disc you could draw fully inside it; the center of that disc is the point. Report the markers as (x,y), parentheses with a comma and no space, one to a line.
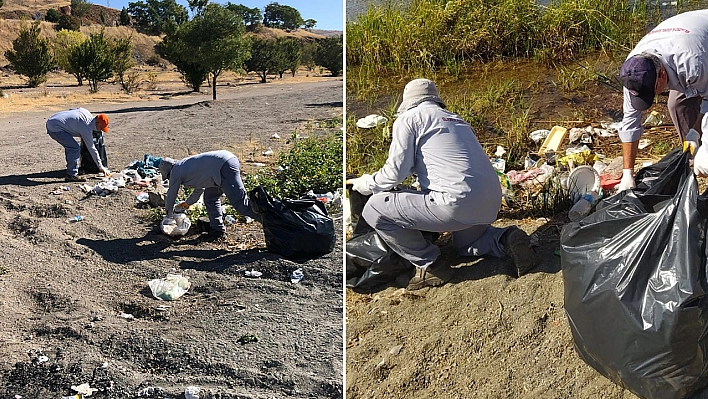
(175,226)
(647,163)
(581,180)
(162,308)
(191,392)
(498,164)
(229,219)
(247,339)
(269,151)
(253,273)
(84,389)
(395,350)
(554,140)
(169,288)
(538,135)
(275,136)
(296,276)
(530,177)
(42,359)
(371,121)
(259,164)
(614,126)
(75,219)
(644,143)
(248,219)
(654,119)
(142,197)
(127,316)
(56,192)
(65,188)
(500,151)
(150,391)
(68,202)
(77,396)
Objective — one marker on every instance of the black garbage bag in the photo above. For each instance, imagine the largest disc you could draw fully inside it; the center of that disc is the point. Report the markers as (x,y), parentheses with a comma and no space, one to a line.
(370,264)
(635,284)
(87,164)
(296,229)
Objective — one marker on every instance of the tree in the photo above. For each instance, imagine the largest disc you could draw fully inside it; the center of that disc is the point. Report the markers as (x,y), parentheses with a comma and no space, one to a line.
(52,15)
(308,54)
(157,16)
(123,60)
(264,58)
(290,55)
(309,24)
(281,17)
(79,8)
(30,55)
(64,44)
(176,50)
(250,16)
(329,54)
(124,17)
(214,42)
(197,6)
(2,3)
(69,22)
(94,59)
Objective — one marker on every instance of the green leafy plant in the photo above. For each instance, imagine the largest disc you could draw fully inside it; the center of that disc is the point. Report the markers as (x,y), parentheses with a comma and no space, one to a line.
(30,54)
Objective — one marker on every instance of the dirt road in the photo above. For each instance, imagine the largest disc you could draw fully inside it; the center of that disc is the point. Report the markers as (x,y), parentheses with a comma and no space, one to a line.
(74,297)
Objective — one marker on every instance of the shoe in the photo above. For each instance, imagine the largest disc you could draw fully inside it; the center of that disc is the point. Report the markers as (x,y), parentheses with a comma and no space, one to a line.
(216,234)
(71,178)
(518,246)
(434,275)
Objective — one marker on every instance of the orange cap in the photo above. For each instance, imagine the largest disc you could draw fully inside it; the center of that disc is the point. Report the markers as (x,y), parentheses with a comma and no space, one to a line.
(102,122)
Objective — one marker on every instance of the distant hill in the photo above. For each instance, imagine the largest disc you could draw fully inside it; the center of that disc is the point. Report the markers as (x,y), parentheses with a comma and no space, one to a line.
(143,45)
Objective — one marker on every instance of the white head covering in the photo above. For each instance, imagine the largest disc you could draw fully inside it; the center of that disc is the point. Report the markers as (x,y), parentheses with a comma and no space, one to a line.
(418,91)
(166,167)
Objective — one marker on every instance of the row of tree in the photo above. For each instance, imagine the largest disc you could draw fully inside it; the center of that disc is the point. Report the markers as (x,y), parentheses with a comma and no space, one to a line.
(211,42)
(161,16)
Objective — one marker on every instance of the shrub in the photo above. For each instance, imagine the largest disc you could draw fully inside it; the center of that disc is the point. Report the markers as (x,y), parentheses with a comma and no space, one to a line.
(52,16)
(69,22)
(30,55)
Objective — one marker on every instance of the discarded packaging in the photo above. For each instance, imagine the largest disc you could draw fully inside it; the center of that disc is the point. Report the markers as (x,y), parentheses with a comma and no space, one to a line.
(169,288)
(296,276)
(538,135)
(371,121)
(500,151)
(581,180)
(554,140)
(84,389)
(654,119)
(498,164)
(191,392)
(644,143)
(176,226)
(253,273)
(229,219)
(269,151)
(583,206)
(75,219)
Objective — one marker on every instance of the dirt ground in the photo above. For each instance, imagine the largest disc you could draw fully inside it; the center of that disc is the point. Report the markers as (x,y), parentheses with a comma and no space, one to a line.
(74,297)
(487,334)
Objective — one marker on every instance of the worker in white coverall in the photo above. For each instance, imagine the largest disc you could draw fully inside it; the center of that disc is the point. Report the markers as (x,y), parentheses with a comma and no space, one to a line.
(212,174)
(77,122)
(672,56)
(460,191)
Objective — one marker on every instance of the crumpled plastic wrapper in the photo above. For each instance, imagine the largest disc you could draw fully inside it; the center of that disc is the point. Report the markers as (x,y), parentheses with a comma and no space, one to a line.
(169,288)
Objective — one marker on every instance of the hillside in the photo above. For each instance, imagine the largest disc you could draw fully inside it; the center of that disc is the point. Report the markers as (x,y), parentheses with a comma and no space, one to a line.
(143,45)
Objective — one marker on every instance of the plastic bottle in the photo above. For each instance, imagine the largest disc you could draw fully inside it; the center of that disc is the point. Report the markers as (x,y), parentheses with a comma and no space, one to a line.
(229,219)
(75,219)
(583,206)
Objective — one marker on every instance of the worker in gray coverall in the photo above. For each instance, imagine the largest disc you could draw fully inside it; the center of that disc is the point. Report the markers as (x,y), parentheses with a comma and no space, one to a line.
(212,174)
(671,56)
(460,191)
(77,122)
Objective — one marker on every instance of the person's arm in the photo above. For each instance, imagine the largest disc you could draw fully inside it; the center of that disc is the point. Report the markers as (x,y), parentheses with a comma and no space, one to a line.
(171,196)
(401,156)
(630,132)
(194,197)
(87,137)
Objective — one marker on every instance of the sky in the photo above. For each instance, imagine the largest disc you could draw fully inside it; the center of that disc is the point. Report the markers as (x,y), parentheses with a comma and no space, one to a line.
(327,13)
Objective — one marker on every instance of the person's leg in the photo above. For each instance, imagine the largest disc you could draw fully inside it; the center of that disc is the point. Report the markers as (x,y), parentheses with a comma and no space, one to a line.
(232,186)
(480,240)
(685,112)
(72,150)
(212,202)
(485,240)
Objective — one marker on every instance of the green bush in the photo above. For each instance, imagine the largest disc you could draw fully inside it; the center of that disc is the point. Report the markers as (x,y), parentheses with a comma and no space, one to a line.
(69,22)
(30,54)
(313,163)
(52,16)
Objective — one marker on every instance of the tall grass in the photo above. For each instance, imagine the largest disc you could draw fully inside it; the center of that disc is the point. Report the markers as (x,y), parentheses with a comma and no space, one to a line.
(430,33)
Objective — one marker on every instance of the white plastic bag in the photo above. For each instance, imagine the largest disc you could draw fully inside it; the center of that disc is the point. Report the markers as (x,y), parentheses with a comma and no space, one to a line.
(169,288)
(175,226)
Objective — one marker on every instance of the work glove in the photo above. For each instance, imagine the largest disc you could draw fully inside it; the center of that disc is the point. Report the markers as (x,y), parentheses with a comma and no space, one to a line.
(181,207)
(361,184)
(691,141)
(700,160)
(627,181)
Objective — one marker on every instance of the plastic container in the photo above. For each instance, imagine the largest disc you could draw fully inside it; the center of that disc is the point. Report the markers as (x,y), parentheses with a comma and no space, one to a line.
(75,219)
(229,219)
(583,206)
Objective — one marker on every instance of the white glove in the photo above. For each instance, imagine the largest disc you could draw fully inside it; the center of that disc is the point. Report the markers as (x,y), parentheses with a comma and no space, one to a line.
(691,141)
(627,181)
(105,171)
(700,161)
(361,184)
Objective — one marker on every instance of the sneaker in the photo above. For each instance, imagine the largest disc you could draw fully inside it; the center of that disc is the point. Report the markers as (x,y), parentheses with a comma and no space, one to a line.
(434,275)
(518,246)
(71,178)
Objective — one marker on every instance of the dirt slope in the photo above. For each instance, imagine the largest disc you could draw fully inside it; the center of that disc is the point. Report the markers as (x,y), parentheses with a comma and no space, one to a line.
(66,288)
